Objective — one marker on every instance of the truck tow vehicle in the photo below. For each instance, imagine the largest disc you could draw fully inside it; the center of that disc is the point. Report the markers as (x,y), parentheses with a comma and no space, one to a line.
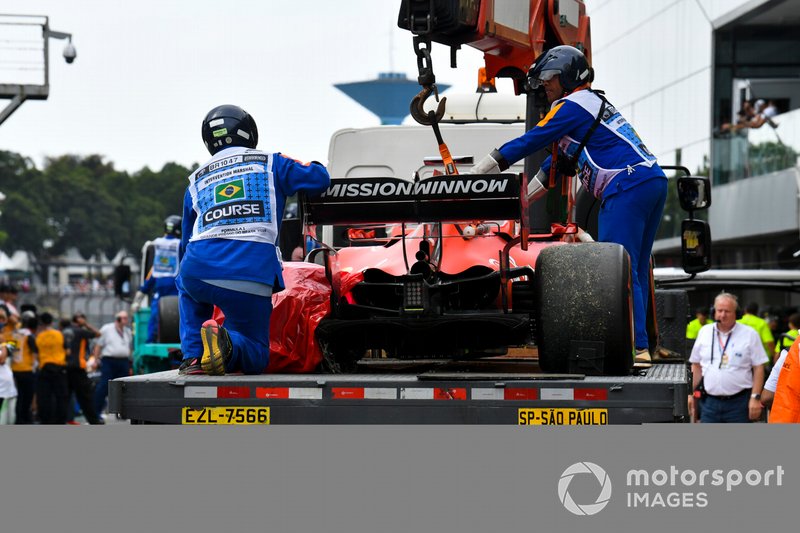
(564,359)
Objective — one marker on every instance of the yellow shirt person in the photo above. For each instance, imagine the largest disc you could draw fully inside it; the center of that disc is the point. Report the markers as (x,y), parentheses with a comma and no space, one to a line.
(701,319)
(761,327)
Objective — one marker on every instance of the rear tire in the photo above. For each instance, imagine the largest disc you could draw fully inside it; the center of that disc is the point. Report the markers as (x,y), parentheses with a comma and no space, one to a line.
(583,293)
(168,320)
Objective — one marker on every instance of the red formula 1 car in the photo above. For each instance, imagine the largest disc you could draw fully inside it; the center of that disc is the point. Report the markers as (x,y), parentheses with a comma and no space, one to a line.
(458,276)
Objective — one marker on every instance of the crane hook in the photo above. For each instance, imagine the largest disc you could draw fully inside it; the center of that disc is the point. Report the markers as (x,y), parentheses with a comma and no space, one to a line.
(418,103)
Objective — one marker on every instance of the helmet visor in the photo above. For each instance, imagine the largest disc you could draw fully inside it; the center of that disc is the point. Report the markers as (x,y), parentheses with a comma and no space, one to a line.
(545,75)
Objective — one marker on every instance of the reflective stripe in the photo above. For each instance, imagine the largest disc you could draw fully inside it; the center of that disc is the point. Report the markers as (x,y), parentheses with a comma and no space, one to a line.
(433,394)
(550,114)
(363,393)
(233,392)
(390,393)
(591,394)
(557,394)
(199,392)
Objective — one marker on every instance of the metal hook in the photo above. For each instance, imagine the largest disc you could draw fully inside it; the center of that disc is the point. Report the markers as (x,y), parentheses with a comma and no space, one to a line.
(418,103)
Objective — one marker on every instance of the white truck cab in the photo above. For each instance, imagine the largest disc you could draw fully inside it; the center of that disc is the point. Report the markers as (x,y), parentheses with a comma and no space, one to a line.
(470,129)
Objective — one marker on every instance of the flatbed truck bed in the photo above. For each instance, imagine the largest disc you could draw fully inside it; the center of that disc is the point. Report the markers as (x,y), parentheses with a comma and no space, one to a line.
(512,392)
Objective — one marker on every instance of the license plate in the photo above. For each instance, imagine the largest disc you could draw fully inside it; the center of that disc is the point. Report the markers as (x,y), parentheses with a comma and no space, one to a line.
(225,415)
(562,417)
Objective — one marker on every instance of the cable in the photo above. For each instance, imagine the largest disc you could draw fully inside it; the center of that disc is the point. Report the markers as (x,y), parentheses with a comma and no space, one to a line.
(477,105)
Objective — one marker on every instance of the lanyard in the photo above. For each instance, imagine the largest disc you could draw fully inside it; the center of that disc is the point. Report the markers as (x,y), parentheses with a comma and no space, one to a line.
(724,348)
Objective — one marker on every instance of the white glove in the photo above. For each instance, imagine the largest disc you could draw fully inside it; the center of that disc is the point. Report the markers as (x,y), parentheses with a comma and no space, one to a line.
(535,188)
(487,165)
(137,302)
(584,236)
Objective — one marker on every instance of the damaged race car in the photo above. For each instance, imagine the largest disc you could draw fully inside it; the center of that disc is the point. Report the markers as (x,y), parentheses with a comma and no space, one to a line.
(445,268)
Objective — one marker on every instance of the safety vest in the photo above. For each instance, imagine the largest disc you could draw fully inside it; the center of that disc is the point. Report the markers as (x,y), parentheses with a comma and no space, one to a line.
(785,340)
(593,176)
(786,404)
(165,258)
(234,198)
(693,328)
(760,325)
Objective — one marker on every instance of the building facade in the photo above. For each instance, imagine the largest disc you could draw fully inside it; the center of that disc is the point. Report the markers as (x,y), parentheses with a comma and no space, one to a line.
(681,71)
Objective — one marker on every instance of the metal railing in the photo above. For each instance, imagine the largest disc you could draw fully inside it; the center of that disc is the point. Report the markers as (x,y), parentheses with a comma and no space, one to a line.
(751,152)
(99,307)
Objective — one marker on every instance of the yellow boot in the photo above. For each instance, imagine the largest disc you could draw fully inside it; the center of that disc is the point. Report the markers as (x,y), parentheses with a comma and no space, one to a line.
(642,359)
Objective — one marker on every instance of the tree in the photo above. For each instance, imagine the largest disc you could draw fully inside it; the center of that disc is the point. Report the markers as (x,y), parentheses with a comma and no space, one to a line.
(24,223)
(83,202)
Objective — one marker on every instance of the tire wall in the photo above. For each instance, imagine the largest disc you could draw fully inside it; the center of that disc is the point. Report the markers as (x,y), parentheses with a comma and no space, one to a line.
(168,320)
(583,293)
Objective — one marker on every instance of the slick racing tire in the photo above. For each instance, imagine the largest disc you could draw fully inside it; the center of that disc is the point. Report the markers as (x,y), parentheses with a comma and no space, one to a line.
(168,320)
(584,299)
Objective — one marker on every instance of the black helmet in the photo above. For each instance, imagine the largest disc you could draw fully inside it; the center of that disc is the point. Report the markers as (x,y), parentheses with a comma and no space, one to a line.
(172,225)
(229,125)
(568,62)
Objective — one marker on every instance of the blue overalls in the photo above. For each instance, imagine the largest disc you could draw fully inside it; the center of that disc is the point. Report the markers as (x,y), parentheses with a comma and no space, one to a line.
(618,169)
(160,280)
(232,212)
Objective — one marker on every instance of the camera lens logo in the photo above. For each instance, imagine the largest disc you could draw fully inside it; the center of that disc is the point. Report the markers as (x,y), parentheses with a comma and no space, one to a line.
(587,509)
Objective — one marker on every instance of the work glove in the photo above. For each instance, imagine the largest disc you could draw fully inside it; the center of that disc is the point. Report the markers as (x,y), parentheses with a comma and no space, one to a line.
(584,236)
(487,165)
(494,163)
(535,187)
(137,302)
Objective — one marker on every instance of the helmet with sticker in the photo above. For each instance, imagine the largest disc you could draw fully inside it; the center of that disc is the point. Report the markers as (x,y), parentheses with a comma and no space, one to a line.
(566,62)
(229,125)
(172,225)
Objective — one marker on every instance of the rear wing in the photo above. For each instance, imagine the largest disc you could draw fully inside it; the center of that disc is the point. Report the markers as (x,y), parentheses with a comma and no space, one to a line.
(437,199)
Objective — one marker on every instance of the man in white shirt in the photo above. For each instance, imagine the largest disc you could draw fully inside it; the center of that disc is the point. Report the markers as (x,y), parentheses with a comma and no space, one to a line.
(729,358)
(113,350)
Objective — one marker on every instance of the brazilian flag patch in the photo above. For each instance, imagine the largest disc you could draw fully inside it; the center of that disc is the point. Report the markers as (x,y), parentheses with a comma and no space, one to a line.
(229,191)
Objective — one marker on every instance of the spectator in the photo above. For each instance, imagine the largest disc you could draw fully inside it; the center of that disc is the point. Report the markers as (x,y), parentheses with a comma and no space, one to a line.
(751,318)
(773,323)
(8,391)
(77,335)
(700,320)
(113,351)
(785,340)
(51,391)
(745,114)
(764,113)
(23,366)
(8,295)
(729,359)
